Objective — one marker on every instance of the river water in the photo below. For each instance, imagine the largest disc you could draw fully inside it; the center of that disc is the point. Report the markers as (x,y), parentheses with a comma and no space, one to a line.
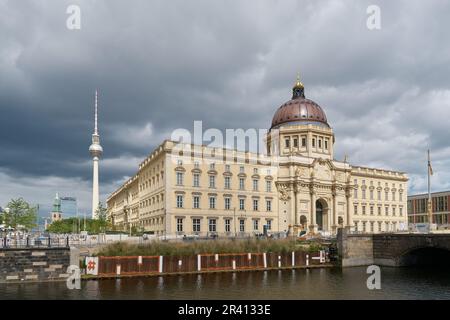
(326,283)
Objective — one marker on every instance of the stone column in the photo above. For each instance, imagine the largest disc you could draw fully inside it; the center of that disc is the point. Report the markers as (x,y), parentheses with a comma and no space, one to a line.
(335,215)
(313,224)
(292,197)
(347,198)
(295,204)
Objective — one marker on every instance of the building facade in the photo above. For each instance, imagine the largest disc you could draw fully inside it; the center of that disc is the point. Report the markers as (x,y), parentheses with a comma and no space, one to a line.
(297,185)
(417,208)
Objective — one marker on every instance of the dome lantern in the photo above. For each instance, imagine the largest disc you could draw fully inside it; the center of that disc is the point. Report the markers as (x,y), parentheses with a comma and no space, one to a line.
(298,91)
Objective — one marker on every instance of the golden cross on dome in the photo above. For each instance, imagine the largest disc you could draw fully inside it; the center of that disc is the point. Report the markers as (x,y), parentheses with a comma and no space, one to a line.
(298,83)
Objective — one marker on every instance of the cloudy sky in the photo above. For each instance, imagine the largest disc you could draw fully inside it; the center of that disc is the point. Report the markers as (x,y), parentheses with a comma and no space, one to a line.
(160,65)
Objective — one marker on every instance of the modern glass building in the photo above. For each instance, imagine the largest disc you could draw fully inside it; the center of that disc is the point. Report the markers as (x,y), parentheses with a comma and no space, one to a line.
(417,208)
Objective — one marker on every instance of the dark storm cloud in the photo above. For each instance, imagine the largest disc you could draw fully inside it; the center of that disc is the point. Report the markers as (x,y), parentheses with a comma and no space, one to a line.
(160,65)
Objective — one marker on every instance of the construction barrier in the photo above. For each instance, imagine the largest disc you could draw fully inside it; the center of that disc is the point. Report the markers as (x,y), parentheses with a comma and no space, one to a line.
(146,265)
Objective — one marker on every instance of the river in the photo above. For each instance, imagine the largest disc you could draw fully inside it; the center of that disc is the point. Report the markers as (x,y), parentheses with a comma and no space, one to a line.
(326,283)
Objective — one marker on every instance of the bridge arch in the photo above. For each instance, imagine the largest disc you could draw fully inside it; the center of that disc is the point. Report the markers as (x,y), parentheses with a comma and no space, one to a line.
(424,256)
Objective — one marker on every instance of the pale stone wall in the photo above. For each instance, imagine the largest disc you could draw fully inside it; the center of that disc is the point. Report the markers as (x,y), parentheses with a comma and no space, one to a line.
(379,200)
(354,250)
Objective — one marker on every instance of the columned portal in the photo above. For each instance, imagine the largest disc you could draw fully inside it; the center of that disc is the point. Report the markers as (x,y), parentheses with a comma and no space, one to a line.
(322,215)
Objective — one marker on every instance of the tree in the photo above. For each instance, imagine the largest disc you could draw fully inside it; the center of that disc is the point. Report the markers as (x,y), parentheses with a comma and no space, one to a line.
(61,226)
(103,221)
(20,214)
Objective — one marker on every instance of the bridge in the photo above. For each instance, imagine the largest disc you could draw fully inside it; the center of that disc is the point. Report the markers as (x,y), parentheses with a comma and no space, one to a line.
(393,249)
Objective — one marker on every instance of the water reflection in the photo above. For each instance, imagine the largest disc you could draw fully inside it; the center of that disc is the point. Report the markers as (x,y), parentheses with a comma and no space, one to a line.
(350,283)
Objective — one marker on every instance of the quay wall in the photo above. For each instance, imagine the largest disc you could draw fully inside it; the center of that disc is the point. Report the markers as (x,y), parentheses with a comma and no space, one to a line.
(34,264)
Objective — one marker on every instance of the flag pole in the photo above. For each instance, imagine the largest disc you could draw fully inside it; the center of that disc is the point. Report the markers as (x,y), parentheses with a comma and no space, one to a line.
(430,217)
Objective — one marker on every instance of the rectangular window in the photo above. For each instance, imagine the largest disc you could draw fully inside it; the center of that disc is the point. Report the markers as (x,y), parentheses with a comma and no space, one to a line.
(196,164)
(212,225)
(326,144)
(371,210)
(196,225)
(227,225)
(227,168)
(379,211)
(227,203)
(179,201)
(255,170)
(255,205)
(364,194)
(355,193)
(241,204)
(180,225)
(313,142)
(269,224)
(320,143)
(386,196)
(386,210)
(196,202)
(241,169)
(241,183)
(255,185)
(212,202)
(363,210)
(268,205)
(303,142)
(196,180)
(227,182)
(295,143)
(212,166)
(212,181)
(242,225)
(371,194)
(268,186)
(355,210)
(393,211)
(379,195)
(400,211)
(393,195)
(287,142)
(255,225)
(400,196)
(179,178)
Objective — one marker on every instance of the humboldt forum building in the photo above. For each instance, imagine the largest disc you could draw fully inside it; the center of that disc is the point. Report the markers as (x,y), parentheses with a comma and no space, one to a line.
(187,189)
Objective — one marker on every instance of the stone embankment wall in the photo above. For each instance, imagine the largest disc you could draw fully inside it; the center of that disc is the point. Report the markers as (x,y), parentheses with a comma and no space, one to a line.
(355,249)
(33,264)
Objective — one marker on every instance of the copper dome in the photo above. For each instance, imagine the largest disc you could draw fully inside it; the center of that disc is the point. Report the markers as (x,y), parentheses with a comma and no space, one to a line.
(299,110)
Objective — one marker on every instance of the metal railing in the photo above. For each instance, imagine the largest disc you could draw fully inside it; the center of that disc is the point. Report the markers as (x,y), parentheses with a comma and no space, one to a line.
(30,242)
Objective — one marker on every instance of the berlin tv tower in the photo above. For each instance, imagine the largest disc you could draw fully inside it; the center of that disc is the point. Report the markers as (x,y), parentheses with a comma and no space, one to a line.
(96,151)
